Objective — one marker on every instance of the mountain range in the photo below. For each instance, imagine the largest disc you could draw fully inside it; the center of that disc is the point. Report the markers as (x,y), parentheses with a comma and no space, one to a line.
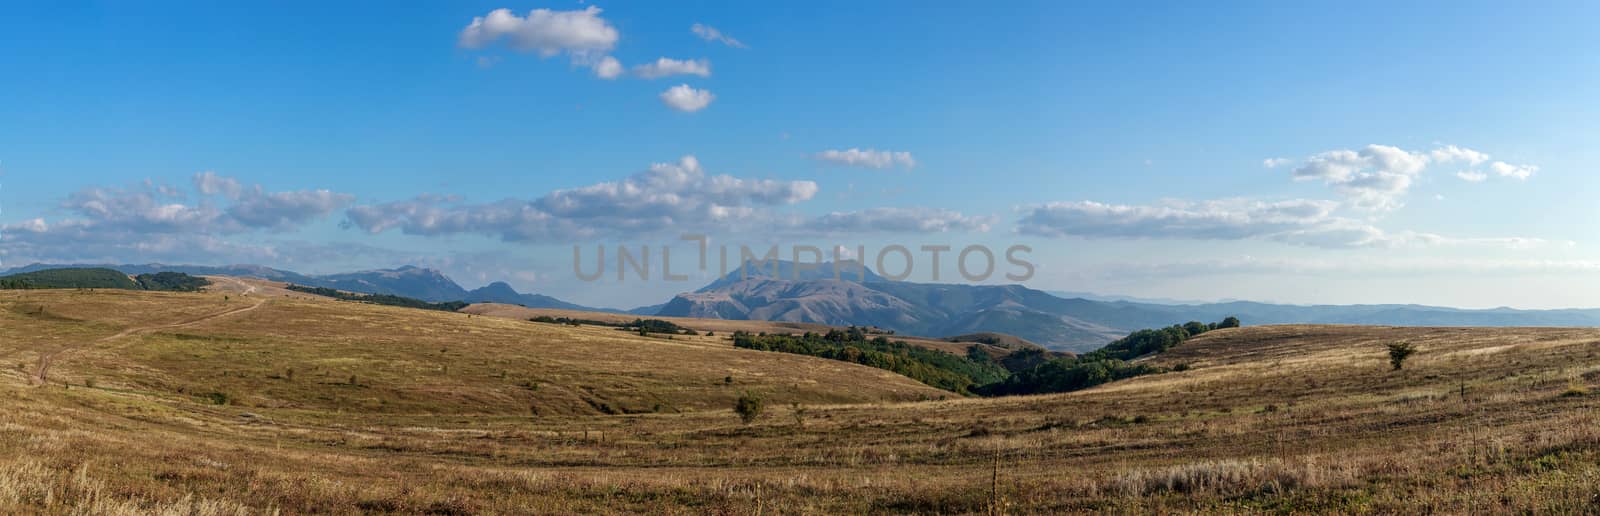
(409,281)
(764,291)
(781,291)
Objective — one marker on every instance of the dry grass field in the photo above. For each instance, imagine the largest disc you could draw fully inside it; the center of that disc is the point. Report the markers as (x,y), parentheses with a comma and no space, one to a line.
(189,404)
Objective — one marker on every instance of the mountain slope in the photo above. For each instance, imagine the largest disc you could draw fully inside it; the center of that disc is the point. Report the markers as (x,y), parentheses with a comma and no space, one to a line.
(767,291)
(500,292)
(910,308)
(408,281)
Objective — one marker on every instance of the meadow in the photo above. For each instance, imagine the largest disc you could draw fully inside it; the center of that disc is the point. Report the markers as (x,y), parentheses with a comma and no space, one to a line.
(249,399)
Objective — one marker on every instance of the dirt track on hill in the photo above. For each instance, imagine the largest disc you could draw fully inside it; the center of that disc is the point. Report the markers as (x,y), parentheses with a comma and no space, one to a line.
(41,374)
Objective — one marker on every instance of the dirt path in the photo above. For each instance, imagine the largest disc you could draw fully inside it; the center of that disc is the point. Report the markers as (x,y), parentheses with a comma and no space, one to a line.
(41,374)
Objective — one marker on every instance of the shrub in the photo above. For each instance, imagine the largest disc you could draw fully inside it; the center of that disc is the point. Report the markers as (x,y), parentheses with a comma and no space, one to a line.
(1399,352)
(749,407)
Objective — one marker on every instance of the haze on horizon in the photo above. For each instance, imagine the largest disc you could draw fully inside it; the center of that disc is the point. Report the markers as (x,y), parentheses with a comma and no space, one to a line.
(1355,153)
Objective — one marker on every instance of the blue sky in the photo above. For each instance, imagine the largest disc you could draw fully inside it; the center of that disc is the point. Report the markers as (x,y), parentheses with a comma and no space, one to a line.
(1126,143)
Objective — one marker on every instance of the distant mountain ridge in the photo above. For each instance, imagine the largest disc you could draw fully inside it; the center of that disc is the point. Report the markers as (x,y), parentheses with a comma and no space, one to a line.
(863,298)
(1059,323)
(408,281)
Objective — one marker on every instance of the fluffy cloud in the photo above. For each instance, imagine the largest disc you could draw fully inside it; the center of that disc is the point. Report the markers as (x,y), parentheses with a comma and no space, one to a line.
(686,99)
(899,220)
(147,222)
(1377,177)
(544,31)
(1451,154)
(144,208)
(83,241)
(260,209)
(665,67)
(150,222)
(608,68)
(1373,178)
(1519,172)
(582,35)
(256,208)
(209,183)
(870,158)
(1301,222)
(1224,220)
(1345,266)
(709,33)
(1275,162)
(676,196)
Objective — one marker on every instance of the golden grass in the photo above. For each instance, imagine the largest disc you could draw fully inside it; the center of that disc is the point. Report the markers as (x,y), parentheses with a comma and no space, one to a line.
(1270,419)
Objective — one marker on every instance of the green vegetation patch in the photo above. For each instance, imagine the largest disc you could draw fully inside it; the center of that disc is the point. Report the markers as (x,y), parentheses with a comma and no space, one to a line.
(1022,372)
(1107,364)
(642,326)
(936,368)
(379,299)
(103,278)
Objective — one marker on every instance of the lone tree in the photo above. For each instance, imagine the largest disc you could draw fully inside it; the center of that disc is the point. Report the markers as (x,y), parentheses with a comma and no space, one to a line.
(1399,352)
(749,407)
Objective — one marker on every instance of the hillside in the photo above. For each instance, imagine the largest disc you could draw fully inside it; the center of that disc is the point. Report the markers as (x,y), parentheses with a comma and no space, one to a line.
(70,278)
(303,352)
(190,403)
(102,278)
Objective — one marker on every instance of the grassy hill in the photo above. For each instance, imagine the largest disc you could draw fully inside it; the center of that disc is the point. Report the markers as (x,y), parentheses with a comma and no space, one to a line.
(102,278)
(185,403)
(70,278)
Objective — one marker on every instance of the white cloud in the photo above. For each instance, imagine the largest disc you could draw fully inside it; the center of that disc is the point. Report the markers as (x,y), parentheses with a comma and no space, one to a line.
(686,99)
(1451,154)
(1348,266)
(150,222)
(677,196)
(1225,219)
(209,183)
(664,67)
(1299,222)
(1374,178)
(544,31)
(871,158)
(1519,172)
(256,208)
(1378,177)
(608,68)
(1276,162)
(709,33)
(582,35)
(899,220)
(145,209)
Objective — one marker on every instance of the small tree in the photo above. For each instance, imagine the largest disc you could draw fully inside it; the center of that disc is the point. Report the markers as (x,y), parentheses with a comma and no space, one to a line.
(1399,352)
(749,407)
